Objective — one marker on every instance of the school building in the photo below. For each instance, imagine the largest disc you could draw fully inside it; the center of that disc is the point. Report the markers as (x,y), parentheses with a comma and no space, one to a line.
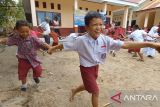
(126,13)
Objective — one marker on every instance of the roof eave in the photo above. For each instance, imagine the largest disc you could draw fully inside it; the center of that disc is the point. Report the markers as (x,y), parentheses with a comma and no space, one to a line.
(122,3)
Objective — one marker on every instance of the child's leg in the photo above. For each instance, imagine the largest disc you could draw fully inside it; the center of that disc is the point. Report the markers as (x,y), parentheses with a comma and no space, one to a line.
(135,54)
(37,71)
(95,99)
(23,68)
(89,76)
(141,56)
(76,90)
(24,81)
(24,85)
(113,53)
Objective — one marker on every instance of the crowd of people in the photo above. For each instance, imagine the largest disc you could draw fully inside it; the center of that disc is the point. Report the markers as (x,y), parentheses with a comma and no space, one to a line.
(141,35)
(92,48)
(134,34)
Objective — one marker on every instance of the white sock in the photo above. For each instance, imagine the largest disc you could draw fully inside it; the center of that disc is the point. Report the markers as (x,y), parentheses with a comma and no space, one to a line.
(24,86)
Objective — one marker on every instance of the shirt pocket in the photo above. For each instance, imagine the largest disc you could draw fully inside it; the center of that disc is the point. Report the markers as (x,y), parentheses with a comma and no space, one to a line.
(102,52)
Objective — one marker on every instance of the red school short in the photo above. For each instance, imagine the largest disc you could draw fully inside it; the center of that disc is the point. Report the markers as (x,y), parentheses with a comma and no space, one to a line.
(23,69)
(137,49)
(89,76)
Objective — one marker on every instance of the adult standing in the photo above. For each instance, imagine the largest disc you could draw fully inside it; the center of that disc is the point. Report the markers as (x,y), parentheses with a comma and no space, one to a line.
(56,26)
(46,30)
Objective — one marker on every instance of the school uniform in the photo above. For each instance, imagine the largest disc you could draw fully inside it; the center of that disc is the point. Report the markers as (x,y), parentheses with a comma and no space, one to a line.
(91,53)
(26,54)
(46,31)
(151,38)
(137,36)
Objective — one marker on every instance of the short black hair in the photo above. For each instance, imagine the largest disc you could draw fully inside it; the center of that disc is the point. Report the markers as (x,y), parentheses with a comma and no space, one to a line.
(90,15)
(56,18)
(21,23)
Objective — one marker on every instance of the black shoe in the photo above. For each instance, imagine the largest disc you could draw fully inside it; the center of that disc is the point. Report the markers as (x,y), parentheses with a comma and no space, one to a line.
(23,89)
(150,56)
(36,80)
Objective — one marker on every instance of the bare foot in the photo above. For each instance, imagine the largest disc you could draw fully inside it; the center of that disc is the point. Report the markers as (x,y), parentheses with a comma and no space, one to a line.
(107,104)
(73,92)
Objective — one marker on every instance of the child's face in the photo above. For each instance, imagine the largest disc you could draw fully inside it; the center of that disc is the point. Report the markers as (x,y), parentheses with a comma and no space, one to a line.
(23,31)
(95,27)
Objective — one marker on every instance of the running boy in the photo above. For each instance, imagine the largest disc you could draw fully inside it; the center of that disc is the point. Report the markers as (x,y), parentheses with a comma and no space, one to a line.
(92,48)
(26,53)
(138,36)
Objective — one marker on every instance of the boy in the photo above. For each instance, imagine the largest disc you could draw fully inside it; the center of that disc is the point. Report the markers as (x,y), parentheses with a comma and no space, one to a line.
(138,36)
(92,48)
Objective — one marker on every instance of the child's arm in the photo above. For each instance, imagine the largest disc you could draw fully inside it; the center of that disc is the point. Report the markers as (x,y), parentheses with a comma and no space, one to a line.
(46,46)
(3,41)
(60,46)
(128,45)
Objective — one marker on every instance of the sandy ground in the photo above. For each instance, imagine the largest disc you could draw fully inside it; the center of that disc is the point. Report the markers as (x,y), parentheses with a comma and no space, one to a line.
(62,74)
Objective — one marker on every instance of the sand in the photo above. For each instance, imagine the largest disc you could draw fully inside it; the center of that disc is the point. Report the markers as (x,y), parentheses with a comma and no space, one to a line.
(61,74)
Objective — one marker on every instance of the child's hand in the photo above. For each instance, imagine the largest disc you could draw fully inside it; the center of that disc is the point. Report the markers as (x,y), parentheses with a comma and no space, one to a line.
(157,47)
(3,41)
(50,50)
(54,48)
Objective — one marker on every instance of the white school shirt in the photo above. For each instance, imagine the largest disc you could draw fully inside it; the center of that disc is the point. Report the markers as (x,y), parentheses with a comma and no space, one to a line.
(91,52)
(46,28)
(138,35)
(152,34)
(56,24)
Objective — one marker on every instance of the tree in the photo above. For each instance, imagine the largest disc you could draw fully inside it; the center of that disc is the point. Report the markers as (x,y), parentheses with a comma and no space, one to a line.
(10,11)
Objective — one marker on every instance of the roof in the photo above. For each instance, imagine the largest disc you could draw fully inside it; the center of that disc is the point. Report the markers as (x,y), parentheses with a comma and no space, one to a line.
(151,6)
(132,3)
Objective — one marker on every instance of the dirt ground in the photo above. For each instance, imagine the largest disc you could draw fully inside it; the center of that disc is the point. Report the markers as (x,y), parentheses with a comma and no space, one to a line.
(62,74)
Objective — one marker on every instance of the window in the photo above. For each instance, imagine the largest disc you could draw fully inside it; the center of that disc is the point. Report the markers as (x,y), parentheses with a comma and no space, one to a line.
(41,16)
(59,6)
(118,23)
(44,5)
(36,3)
(110,12)
(80,8)
(52,5)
